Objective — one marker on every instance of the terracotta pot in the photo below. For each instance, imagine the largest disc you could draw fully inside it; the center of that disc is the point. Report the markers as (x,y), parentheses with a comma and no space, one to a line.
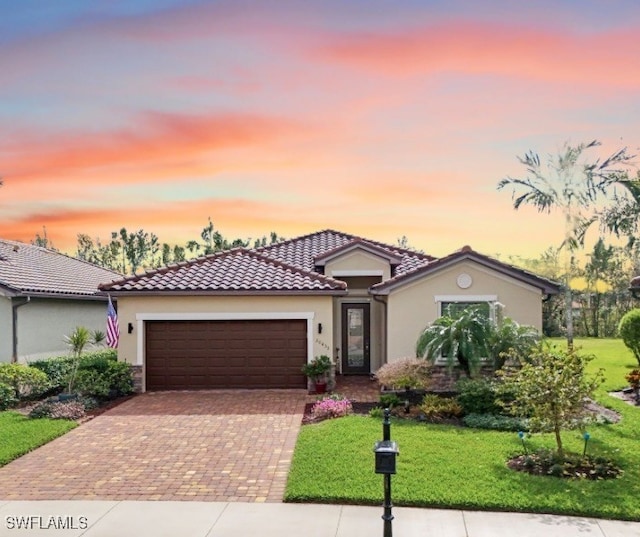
(321,387)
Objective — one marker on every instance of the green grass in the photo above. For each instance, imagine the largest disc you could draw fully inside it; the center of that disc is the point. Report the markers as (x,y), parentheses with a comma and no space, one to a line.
(445,466)
(20,434)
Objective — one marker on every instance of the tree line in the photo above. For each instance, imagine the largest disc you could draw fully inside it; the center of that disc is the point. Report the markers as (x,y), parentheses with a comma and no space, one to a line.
(128,252)
(589,191)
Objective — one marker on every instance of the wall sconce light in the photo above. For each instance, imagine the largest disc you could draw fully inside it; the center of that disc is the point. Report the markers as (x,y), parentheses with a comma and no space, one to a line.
(319,328)
(129,328)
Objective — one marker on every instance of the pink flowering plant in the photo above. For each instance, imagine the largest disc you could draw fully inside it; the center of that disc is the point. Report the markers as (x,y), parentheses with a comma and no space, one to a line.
(334,406)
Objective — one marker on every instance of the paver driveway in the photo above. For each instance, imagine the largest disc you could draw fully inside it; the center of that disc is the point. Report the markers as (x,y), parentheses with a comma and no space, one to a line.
(211,445)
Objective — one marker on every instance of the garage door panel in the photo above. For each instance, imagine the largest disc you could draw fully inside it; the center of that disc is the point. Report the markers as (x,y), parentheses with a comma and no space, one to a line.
(225,354)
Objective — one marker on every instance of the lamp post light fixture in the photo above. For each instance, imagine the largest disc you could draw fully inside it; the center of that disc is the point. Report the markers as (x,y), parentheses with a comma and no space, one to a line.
(386,452)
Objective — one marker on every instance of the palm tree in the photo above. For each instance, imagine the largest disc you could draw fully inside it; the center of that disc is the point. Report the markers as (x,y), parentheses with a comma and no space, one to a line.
(77,341)
(568,183)
(462,338)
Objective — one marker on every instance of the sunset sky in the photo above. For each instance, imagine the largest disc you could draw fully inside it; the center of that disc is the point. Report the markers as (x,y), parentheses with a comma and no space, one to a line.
(371,117)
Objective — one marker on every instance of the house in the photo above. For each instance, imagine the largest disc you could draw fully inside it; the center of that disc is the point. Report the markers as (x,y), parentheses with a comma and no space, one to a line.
(44,295)
(249,318)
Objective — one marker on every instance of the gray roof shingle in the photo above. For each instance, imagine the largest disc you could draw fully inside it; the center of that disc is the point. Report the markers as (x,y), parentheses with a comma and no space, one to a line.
(26,269)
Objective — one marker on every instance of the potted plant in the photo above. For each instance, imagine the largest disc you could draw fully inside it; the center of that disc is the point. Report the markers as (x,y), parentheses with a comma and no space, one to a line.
(317,370)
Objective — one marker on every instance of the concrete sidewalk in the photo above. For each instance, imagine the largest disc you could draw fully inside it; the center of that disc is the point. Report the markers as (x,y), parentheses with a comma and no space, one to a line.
(223,519)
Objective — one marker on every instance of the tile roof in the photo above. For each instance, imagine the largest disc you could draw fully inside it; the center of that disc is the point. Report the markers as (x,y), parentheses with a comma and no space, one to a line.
(230,271)
(26,269)
(302,251)
(466,252)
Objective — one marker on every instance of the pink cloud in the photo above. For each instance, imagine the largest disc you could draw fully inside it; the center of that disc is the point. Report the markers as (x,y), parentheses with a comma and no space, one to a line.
(482,48)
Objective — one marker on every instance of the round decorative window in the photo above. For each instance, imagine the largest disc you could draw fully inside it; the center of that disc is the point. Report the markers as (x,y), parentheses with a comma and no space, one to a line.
(464,281)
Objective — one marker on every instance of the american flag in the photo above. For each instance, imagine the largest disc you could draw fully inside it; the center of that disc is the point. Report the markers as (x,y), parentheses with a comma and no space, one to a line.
(113,332)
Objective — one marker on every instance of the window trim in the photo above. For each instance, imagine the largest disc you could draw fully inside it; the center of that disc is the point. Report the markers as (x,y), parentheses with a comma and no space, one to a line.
(492,300)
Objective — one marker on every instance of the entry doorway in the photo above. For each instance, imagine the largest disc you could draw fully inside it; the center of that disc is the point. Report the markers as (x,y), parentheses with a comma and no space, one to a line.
(356,338)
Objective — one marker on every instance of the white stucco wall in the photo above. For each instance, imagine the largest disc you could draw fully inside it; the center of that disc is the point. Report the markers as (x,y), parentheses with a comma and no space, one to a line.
(412,307)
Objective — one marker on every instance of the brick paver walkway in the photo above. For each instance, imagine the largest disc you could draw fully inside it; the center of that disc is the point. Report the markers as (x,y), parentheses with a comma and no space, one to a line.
(211,445)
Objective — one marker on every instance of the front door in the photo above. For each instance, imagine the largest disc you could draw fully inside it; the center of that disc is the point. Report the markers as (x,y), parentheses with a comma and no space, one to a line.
(356,357)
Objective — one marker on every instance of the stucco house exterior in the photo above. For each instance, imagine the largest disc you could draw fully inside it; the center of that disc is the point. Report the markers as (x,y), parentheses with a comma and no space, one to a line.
(44,295)
(250,318)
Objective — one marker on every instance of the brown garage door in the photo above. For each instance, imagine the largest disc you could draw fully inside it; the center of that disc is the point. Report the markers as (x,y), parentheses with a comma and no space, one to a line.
(191,355)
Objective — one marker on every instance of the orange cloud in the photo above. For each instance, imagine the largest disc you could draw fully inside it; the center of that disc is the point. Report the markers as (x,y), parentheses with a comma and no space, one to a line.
(162,138)
(482,48)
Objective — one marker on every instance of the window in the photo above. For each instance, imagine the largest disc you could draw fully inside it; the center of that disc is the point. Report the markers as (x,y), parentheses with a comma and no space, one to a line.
(455,309)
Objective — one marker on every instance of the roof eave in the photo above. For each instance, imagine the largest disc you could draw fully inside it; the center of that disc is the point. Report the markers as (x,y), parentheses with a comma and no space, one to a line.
(546,287)
(230,292)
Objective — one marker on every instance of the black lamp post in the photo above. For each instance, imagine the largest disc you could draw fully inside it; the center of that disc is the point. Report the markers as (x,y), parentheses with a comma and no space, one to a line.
(386,452)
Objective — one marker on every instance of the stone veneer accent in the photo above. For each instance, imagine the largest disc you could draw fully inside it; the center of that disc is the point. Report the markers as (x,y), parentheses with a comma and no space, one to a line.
(137,378)
(444,379)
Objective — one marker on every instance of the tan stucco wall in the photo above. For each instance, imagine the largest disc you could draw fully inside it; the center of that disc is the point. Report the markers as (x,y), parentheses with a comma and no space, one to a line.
(413,306)
(358,260)
(43,323)
(128,307)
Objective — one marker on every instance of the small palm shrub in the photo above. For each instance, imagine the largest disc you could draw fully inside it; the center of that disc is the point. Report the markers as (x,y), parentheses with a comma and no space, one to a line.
(461,339)
(412,373)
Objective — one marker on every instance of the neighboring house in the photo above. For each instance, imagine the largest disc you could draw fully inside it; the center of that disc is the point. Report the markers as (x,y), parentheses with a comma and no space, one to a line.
(251,317)
(44,295)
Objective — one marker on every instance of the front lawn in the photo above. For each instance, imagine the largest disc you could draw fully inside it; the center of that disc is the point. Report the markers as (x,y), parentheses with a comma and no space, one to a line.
(446,466)
(20,434)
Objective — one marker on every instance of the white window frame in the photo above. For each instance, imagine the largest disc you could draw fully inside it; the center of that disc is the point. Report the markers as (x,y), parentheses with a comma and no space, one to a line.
(492,300)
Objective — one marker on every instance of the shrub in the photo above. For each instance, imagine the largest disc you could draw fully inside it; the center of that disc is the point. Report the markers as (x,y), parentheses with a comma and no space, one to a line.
(93,383)
(633,378)
(114,381)
(496,422)
(331,407)
(56,369)
(120,378)
(478,396)
(436,408)
(7,396)
(629,329)
(413,373)
(26,381)
(376,412)
(389,400)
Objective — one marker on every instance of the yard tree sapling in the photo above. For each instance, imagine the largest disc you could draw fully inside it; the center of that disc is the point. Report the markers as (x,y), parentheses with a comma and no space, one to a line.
(551,389)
